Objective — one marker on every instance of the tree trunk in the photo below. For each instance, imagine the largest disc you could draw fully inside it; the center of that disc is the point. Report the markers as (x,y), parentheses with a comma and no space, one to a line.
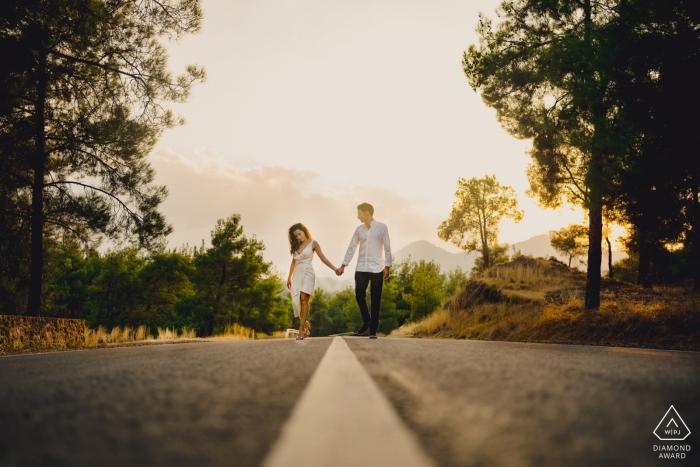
(595,253)
(594,177)
(610,271)
(210,324)
(36,269)
(695,239)
(643,271)
(485,253)
(695,263)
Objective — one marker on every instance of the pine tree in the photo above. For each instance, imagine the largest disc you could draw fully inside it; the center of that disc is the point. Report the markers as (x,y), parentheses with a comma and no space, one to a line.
(86,88)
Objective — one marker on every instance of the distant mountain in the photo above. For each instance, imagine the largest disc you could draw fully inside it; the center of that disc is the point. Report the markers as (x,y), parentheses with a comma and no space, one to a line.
(331,284)
(424,250)
(538,246)
(535,246)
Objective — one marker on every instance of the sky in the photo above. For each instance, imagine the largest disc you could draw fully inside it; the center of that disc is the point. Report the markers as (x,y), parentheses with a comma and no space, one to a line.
(312,107)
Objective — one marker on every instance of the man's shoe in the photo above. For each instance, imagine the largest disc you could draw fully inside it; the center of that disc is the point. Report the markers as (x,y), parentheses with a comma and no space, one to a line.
(373,336)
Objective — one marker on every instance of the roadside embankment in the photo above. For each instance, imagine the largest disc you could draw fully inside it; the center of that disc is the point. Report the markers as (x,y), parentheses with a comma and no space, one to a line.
(538,300)
(30,334)
(19,333)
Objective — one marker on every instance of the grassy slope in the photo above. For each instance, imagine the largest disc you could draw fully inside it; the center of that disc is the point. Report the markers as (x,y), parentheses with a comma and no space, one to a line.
(537,300)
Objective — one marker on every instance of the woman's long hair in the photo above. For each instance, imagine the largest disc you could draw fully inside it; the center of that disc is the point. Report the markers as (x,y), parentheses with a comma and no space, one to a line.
(293,242)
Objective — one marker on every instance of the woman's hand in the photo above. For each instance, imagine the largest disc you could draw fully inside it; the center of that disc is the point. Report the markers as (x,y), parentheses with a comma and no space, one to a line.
(289,283)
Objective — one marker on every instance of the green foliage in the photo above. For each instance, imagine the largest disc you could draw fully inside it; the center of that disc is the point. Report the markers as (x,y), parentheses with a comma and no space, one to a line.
(115,290)
(475,217)
(96,76)
(202,288)
(413,290)
(546,70)
(84,88)
(70,270)
(626,269)
(165,281)
(391,317)
(318,314)
(402,275)
(227,275)
(344,311)
(427,290)
(596,86)
(663,266)
(571,241)
(454,280)
(267,311)
(14,247)
(208,288)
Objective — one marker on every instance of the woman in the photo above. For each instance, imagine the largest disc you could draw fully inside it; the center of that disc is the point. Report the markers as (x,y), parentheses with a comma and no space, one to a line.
(302,278)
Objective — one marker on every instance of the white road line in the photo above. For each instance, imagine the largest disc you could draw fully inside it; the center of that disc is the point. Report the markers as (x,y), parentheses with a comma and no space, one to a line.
(342,419)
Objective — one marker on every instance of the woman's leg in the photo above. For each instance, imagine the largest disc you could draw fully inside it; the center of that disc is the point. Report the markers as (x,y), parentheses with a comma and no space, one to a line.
(303,312)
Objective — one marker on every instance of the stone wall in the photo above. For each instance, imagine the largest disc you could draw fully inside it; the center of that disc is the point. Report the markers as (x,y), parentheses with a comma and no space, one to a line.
(31,333)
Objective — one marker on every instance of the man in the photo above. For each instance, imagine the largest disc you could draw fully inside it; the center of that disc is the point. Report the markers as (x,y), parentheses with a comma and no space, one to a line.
(372,237)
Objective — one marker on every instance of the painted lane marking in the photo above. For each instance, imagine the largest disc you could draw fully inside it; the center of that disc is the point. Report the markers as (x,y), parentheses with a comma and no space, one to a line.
(342,419)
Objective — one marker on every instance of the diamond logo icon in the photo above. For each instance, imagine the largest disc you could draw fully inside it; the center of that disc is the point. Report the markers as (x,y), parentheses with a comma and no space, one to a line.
(672,427)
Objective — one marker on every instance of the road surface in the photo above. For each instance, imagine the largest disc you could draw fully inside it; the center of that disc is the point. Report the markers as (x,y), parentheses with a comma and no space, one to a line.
(453,403)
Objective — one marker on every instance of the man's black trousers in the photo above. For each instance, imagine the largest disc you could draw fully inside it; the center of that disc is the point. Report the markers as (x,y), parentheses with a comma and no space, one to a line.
(362,279)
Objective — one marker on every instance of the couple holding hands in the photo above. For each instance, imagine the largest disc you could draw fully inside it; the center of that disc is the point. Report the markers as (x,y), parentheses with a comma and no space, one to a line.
(372,237)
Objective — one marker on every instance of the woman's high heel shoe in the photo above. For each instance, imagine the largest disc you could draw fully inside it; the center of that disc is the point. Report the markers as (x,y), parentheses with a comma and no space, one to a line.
(307,331)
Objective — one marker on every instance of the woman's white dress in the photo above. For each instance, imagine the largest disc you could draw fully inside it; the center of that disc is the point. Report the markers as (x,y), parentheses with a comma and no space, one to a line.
(304,276)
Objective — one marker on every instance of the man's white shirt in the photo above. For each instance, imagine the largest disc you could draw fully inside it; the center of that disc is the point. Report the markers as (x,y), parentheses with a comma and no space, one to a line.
(371,240)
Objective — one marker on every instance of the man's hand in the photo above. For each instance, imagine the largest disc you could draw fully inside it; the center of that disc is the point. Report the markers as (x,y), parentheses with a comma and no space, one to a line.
(340,270)
(386,273)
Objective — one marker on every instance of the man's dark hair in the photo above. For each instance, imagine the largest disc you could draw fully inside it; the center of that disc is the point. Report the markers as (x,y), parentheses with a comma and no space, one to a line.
(366,207)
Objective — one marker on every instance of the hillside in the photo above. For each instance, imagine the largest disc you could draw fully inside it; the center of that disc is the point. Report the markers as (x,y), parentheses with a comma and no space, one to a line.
(537,300)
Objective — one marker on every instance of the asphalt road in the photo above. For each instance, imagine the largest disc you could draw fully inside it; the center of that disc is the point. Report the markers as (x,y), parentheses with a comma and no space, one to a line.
(470,403)
(204,404)
(477,403)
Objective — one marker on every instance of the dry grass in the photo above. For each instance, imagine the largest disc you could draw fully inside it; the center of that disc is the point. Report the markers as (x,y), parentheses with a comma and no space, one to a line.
(118,335)
(235,332)
(100,336)
(533,278)
(431,325)
(528,302)
(238,332)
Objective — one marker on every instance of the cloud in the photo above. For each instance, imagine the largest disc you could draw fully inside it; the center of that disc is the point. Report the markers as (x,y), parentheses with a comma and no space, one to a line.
(270,199)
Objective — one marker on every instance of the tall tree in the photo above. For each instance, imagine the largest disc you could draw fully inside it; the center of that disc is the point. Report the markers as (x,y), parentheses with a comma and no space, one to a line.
(88,88)
(473,222)
(545,70)
(228,272)
(656,59)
